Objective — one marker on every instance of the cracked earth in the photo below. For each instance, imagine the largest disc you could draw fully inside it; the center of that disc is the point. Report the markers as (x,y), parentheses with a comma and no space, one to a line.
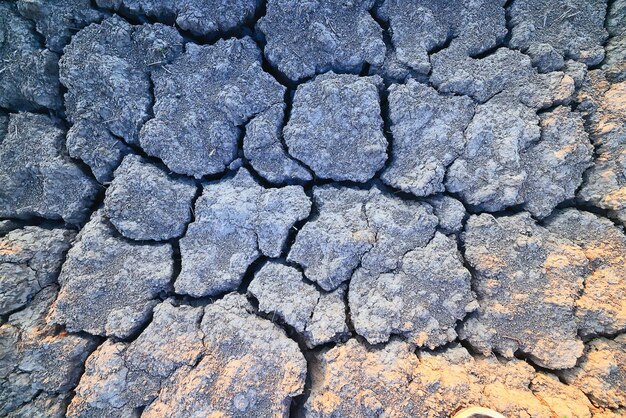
(281,208)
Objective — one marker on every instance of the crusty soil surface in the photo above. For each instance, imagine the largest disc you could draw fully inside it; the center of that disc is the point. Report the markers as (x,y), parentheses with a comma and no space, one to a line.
(287,208)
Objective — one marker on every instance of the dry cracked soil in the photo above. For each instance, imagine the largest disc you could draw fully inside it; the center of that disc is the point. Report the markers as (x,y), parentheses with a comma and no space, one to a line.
(321,208)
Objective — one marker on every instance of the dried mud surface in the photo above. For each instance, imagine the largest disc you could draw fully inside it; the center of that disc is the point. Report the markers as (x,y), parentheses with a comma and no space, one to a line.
(278,208)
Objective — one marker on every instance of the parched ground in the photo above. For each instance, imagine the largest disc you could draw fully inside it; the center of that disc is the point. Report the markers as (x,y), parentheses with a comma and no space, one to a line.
(288,208)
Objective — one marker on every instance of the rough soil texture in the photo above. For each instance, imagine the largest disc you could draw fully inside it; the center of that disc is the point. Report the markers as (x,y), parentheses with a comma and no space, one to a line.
(38,177)
(31,258)
(551,31)
(340,114)
(144,203)
(421,299)
(603,106)
(518,266)
(30,73)
(227,78)
(309,38)
(200,17)
(99,260)
(283,208)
